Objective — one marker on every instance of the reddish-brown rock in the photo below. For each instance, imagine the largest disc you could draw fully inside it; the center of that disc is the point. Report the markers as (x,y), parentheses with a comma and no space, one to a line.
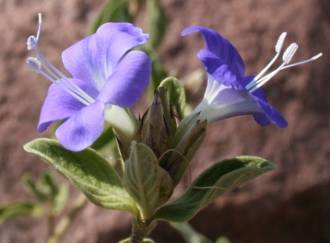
(289,205)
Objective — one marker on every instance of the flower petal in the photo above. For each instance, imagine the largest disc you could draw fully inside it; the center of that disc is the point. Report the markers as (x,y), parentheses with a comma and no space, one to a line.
(220,47)
(79,59)
(228,96)
(94,57)
(227,110)
(271,113)
(118,38)
(221,102)
(82,128)
(128,81)
(210,61)
(218,70)
(58,105)
(261,119)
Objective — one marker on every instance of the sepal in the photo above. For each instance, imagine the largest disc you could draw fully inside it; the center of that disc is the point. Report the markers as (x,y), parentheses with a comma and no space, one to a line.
(176,96)
(155,129)
(187,140)
(145,180)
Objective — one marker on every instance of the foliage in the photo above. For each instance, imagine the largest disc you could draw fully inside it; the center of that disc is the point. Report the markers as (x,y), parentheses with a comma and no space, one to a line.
(135,163)
(214,181)
(92,174)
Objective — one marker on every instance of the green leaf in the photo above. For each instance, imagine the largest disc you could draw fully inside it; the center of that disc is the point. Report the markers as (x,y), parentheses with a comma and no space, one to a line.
(107,147)
(47,182)
(223,240)
(158,72)
(157,27)
(156,22)
(190,234)
(114,11)
(92,174)
(19,209)
(128,240)
(145,180)
(34,188)
(106,138)
(176,95)
(44,188)
(60,199)
(213,182)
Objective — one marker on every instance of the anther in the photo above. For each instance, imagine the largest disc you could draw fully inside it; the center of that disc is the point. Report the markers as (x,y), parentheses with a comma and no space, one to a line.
(34,64)
(31,42)
(280,42)
(289,53)
(278,49)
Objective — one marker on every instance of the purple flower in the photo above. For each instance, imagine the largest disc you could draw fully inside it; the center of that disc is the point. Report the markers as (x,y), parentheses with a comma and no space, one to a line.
(229,91)
(105,72)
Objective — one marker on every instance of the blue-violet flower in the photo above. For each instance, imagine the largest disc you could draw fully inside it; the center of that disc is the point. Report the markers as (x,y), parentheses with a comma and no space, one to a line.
(229,91)
(105,72)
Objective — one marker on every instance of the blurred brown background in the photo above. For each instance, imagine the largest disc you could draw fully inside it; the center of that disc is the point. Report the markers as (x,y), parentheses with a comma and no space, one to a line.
(289,205)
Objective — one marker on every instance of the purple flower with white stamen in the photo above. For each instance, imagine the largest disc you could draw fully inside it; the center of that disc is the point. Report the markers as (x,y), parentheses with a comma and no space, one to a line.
(229,91)
(105,72)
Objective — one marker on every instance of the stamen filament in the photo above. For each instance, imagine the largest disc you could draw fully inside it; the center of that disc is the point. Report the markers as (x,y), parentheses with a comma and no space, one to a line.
(265,79)
(36,66)
(41,65)
(59,75)
(63,85)
(278,49)
(212,89)
(287,56)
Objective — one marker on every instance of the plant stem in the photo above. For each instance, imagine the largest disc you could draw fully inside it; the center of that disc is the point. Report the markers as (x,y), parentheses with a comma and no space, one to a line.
(141,229)
(51,223)
(62,227)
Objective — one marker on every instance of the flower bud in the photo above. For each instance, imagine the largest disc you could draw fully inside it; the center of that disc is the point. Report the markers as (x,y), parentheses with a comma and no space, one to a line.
(186,142)
(155,128)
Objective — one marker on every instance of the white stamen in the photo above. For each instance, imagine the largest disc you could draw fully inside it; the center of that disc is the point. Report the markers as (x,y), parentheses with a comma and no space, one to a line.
(212,89)
(63,85)
(287,57)
(41,65)
(31,42)
(261,82)
(278,49)
(34,64)
(289,53)
(280,42)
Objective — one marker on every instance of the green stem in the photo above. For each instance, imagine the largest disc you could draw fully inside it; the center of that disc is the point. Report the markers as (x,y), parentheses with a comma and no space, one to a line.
(62,227)
(141,229)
